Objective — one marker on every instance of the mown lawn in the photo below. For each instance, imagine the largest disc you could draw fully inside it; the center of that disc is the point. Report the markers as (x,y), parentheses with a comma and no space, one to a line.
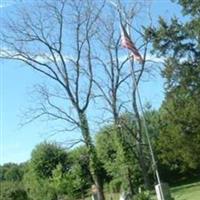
(187,192)
(183,192)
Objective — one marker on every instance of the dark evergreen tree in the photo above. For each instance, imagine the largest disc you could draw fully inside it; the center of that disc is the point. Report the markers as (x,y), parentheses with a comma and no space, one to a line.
(179,43)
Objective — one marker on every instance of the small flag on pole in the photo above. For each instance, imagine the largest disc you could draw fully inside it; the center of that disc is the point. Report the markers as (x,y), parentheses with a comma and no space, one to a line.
(127,43)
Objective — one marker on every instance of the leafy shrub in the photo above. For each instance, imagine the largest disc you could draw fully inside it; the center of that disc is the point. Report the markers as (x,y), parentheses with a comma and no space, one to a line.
(12,191)
(145,195)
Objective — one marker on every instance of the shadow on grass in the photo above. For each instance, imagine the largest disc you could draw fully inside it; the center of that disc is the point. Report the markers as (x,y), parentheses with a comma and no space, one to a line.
(186,181)
(185,186)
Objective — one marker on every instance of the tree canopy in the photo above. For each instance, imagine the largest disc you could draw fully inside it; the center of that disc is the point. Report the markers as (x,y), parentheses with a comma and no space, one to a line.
(179,43)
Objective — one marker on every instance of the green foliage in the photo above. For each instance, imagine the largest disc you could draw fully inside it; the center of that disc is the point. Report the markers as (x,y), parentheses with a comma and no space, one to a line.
(179,139)
(57,180)
(69,179)
(45,158)
(144,195)
(71,184)
(11,172)
(12,190)
(38,188)
(80,167)
(107,151)
(121,172)
(45,177)
(63,183)
(190,7)
(178,144)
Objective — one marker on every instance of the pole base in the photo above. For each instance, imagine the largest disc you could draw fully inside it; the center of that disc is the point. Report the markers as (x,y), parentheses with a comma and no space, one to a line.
(165,190)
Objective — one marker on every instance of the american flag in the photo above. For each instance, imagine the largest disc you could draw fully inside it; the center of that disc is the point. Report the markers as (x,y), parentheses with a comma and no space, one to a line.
(127,43)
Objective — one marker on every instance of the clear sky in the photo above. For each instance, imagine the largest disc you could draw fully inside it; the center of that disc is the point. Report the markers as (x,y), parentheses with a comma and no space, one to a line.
(16,85)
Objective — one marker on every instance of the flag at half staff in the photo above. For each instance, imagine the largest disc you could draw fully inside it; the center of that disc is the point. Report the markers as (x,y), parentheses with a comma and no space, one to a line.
(127,43)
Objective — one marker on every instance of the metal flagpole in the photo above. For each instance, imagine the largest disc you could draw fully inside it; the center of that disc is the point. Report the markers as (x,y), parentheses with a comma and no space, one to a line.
(142,110)
(146,131)
(145,124)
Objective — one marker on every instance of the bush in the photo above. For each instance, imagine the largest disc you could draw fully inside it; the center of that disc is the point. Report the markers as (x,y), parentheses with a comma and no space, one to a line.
(12,191)
(145,195)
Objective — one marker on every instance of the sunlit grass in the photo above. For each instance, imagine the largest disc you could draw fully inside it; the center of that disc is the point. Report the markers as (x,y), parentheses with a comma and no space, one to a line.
(187,192)
(183,192)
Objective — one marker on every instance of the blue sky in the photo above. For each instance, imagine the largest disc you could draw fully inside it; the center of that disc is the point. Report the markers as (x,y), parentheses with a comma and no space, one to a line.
(16,84)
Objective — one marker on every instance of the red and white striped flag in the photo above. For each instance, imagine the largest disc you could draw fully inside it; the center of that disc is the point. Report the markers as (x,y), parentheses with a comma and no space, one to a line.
(127,43)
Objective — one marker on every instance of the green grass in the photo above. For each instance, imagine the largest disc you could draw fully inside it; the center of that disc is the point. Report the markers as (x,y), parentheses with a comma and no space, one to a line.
(187,192)
(183,192)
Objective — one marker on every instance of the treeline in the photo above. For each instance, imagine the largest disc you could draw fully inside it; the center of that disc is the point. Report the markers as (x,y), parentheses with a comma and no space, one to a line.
(55,173)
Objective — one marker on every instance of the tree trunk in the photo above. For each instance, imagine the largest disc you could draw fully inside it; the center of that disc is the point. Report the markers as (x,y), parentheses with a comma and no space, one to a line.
(140,150)
(122,142)
(143,167)
(93,160)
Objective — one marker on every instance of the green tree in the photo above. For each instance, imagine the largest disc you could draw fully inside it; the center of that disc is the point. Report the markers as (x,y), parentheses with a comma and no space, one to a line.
(53,173)
(45,158)
(179,43)
(120,173)
(63,183)
(11,190)
(78,178)
(11,172)
(38,188)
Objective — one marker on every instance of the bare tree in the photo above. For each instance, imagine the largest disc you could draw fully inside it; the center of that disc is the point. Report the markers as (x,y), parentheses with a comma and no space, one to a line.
(118,86)
(137,72)
(115,76)
(55,38)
